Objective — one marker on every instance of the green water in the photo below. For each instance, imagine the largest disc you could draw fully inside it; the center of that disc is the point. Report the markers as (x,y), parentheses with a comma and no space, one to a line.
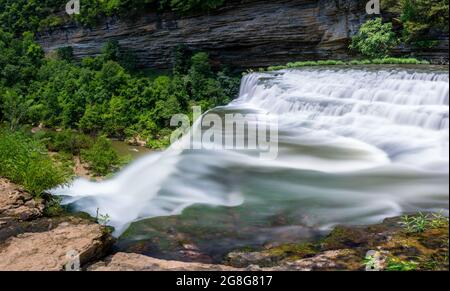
(124,149)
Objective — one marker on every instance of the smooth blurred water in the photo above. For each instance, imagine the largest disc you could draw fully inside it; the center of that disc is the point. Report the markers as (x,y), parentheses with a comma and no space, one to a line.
(355,146)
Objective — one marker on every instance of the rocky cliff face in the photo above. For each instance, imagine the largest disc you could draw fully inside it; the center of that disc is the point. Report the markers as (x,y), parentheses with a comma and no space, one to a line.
(247,33)
(244,33)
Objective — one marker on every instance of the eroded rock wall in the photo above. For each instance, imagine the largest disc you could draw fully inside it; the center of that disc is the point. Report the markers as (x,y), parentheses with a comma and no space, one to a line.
(247,33)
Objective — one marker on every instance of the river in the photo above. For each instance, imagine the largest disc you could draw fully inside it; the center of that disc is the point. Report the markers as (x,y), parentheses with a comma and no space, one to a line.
(355,145)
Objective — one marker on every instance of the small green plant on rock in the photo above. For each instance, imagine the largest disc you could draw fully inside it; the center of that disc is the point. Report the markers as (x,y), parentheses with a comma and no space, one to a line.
(421,222)
(438,220)
(397,265)
(415,224)
(102,219)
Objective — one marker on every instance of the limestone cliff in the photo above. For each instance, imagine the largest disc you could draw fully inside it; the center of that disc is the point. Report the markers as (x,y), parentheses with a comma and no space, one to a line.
(243,33)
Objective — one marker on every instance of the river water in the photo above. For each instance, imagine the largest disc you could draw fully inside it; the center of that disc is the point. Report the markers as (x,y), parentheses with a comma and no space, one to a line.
(354,146)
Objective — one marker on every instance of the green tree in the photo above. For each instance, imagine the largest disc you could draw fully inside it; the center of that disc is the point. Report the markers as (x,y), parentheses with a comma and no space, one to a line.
(65,54)
(15,108)
(374,39)
(92,120)
(117,118)
(421,18)
(102,158)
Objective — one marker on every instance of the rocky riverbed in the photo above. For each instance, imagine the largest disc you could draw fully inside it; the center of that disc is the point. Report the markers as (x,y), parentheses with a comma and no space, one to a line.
(30,240)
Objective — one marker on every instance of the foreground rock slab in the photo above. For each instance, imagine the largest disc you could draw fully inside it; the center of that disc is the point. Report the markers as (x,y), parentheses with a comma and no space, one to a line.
(135,262)
(49,251)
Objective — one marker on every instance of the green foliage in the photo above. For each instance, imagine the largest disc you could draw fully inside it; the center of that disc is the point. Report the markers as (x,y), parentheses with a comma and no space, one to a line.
(277,68)
(415,224)
(382,61)
(421,20)
(112,51)
(65,54)
(38,15)
(19,59)
(374,39)
(421,17)
(15,108)
(99,96)
(101,157)
(422,222)
(438,220)
(53,206)
(29,15)
(66,141)
(397,265)
(102,219)
(25,161)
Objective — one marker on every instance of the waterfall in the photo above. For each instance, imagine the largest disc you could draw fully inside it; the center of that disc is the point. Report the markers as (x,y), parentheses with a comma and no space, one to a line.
(355,146)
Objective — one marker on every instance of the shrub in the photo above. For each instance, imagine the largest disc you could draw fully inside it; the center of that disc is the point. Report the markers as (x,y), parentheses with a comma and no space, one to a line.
(101,157)
(330,63)
(65,54)
(276,68)
(422,18)
(397,265)
(25,161)
(374,39)
(65,141)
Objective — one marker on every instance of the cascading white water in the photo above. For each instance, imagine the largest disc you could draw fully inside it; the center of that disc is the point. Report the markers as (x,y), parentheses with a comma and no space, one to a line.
(355,146)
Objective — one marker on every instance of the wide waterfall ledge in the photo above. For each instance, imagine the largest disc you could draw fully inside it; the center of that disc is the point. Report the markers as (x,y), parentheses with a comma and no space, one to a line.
(355,146)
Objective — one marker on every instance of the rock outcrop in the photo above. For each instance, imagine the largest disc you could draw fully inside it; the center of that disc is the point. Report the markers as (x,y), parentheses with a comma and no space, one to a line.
(248,33)
(31,242)
(15,203)
(135,262)
(347,249)
(243,33)
(52,250)
(344,260)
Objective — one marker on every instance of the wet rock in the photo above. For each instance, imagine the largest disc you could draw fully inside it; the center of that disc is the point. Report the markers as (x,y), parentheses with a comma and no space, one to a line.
(271,256)
(348,260)
(135,262)
(243,259)
(345,237)
(48,251)
(348,248)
